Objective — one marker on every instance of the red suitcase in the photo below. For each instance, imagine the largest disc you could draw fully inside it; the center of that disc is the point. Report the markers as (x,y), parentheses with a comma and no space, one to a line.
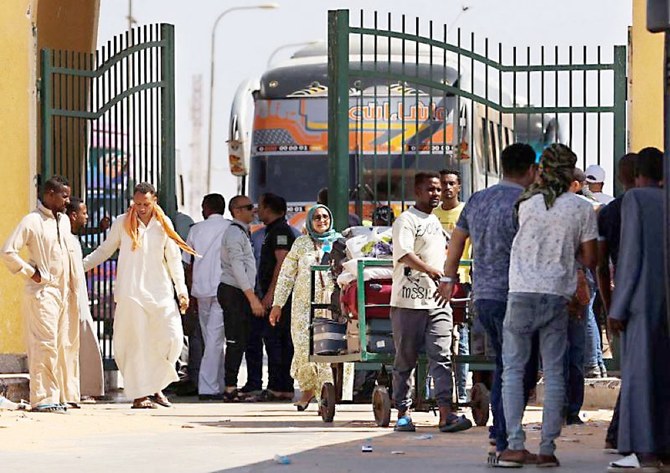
(377,291)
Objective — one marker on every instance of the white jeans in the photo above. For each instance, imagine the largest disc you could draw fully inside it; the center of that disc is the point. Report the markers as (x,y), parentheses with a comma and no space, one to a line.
(211,379)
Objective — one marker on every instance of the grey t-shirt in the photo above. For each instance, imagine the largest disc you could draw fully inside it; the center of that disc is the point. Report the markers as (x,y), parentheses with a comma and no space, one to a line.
(488,218)
(544,251)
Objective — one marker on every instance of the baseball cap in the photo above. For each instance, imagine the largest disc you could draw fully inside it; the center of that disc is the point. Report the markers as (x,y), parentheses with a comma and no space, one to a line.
(595,173)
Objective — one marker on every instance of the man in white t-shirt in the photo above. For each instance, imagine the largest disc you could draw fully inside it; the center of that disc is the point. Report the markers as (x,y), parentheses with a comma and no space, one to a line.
(556,228)
(205,238)
(418,321)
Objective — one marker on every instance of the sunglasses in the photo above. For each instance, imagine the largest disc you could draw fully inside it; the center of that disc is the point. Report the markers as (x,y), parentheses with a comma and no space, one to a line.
(321,217)
(248,207)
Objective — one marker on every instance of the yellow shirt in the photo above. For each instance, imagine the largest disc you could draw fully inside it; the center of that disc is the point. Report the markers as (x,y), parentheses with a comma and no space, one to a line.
(448,219)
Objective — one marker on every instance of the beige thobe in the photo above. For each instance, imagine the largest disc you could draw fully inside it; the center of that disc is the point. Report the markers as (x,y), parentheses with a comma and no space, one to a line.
(91,372)
(148,336)
(50,308)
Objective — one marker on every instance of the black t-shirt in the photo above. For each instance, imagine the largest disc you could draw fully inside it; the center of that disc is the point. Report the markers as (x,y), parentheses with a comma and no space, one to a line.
(609,227)
(278,236)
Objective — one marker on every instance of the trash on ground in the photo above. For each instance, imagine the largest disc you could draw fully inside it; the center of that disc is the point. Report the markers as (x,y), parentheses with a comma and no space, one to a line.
(423,437)
(366,448)
(186,426)
(568,439)
(397,452)
(282,459)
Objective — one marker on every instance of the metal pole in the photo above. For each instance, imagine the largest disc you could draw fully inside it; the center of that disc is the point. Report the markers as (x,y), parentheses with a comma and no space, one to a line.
(666,163)
(620,84)
(338,117)
(267,6)
(131,20)
(167,192)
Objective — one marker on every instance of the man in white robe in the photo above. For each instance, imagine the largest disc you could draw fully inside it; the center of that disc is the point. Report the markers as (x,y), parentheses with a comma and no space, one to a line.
(91,374)
(148,334)
(50,310)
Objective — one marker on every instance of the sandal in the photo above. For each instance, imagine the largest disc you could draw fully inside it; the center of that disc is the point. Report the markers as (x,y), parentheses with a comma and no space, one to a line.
(143,403)
(52,408)
(160,399)
(456,424)
(301,406)
(231,396)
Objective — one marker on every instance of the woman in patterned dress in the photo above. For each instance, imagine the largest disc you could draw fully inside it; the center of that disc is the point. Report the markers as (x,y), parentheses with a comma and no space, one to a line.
(294,276)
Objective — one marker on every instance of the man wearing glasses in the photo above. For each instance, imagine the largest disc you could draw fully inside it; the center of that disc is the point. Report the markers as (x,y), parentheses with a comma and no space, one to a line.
(236,291)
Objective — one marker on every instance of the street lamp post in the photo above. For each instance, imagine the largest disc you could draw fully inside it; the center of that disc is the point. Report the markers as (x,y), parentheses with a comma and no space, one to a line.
(264,6)
(292,45)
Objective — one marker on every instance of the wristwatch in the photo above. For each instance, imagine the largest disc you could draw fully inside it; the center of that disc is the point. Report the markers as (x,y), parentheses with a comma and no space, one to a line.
(448,279)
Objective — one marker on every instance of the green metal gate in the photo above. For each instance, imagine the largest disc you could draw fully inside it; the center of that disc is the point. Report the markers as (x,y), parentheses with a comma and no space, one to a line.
(405,96)
(107,123)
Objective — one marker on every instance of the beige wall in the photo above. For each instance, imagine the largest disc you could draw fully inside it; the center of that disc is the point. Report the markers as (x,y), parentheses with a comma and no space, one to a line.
(26,26)
(18,151)
(645,120)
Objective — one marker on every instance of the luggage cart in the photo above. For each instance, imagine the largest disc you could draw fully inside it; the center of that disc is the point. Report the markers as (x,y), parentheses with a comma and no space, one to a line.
(381,397)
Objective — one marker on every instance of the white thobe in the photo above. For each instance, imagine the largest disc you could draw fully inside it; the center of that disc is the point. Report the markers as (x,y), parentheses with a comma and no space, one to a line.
(205,238)
(148,335)
(50,309)
(91,374)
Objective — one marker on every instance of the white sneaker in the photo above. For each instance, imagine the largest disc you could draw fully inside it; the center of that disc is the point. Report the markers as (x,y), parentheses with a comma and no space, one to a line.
(7,405)
(630,464)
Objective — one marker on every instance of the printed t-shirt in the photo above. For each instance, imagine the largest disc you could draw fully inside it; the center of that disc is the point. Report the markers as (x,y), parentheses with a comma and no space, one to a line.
(422,234)
(544,251)
(488,219)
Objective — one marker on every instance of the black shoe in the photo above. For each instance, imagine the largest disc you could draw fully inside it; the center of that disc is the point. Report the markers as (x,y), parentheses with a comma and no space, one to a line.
(232,396)
(574,420)
(210,397)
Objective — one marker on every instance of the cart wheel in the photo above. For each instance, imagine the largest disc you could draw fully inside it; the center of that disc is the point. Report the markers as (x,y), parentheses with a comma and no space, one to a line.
(381,406)
(479,403)
(328,401)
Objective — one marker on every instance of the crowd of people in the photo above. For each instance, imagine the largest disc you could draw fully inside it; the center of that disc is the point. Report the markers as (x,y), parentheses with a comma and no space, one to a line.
(550,252)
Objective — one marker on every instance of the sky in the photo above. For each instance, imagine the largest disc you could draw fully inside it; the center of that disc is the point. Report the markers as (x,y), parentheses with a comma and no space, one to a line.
(246,38)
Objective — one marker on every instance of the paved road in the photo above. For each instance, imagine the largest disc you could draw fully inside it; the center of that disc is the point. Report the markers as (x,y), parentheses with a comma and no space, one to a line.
(215,437)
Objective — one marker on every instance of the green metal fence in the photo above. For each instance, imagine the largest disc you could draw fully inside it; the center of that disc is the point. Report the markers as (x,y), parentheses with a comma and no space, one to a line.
(107,123)
(406,96)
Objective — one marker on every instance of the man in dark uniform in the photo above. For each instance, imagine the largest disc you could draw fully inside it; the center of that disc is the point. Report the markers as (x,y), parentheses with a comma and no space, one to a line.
(279,237)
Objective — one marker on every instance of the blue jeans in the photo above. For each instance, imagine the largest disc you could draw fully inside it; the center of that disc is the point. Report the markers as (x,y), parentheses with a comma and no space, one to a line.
(574,366)
(461,369)
(491,315)
(529,314)
(594,353)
